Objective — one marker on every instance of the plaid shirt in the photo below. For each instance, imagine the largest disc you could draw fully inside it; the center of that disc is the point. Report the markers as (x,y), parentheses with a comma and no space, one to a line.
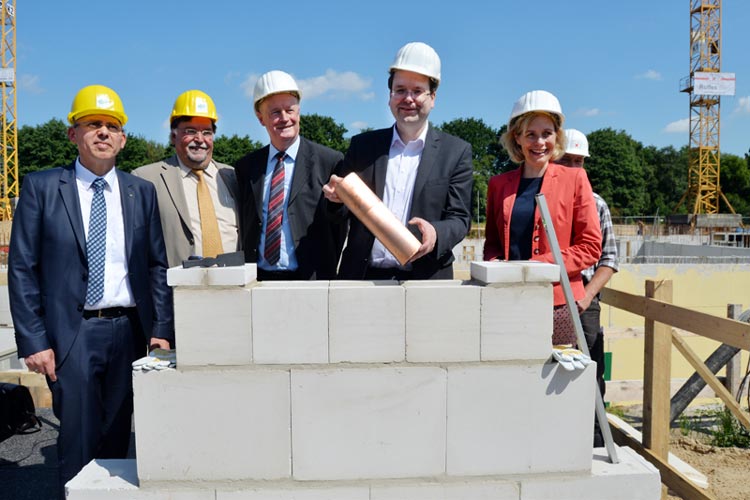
(609,246)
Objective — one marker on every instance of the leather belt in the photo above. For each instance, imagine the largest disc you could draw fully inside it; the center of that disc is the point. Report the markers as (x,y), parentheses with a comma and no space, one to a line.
(108,312)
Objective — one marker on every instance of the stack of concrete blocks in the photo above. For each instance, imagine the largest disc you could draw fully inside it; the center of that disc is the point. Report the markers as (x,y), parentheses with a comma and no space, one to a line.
(346,390)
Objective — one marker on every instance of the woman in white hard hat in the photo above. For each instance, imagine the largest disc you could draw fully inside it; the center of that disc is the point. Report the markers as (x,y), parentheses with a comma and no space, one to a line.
(514,229)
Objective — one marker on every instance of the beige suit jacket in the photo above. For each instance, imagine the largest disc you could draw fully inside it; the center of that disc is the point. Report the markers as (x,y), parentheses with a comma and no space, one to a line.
(175,218)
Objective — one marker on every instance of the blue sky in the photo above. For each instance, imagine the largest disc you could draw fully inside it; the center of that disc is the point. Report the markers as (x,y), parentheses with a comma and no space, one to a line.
(611,64)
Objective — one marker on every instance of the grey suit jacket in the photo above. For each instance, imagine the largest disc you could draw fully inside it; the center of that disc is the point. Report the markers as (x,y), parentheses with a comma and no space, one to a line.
(175,218)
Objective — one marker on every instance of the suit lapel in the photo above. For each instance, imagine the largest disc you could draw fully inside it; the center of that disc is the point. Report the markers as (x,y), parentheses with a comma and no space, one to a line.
(302,170)
(172,177)
(381,162)
(426,163)
(69,193)
(257,178)
(127,200)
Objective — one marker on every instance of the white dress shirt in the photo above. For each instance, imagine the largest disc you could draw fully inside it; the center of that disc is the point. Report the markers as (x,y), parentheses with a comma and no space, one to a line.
(117,292)
(403,161)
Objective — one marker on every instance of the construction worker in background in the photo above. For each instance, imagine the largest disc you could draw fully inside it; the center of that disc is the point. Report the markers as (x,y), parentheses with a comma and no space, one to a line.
(87,278)
(423,176)
(598,275)
(282,216)
(197,196)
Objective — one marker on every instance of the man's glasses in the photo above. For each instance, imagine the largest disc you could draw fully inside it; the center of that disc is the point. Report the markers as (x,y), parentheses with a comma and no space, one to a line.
(191,132)
(416,94)
(96,125)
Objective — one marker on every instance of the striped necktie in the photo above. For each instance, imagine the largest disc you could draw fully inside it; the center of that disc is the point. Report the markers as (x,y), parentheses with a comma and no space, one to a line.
(96,244)
(272,251)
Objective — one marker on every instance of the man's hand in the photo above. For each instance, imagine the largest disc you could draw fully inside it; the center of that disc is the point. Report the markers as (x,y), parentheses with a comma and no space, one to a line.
(429,237)
(329,190)
(584,303)
(156,343)
(42,362)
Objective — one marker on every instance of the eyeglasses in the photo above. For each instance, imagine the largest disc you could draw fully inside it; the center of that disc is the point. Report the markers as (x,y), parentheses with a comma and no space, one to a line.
(96,125)
(416,94)
(191,132)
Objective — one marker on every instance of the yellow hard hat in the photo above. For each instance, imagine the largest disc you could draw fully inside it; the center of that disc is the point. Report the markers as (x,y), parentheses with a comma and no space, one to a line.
(194,103)
(97,100)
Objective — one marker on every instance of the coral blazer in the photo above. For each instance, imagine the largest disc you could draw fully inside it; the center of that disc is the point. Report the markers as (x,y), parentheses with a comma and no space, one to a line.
(574,216)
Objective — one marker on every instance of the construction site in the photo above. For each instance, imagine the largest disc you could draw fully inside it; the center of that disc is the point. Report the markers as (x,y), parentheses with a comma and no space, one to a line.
(676,318)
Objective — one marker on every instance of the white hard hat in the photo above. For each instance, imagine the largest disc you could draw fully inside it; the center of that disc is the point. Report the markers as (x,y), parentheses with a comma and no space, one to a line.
(537,100)
(577,144)
(419,58)
(274,82)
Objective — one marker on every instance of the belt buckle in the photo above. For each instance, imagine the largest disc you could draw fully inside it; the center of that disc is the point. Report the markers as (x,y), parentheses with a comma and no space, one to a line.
(99,313)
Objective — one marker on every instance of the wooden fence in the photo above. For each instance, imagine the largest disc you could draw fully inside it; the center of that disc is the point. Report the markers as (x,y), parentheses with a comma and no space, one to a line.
(660,317)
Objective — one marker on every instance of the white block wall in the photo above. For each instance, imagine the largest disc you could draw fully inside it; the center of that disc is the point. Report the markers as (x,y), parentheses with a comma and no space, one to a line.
(372,390)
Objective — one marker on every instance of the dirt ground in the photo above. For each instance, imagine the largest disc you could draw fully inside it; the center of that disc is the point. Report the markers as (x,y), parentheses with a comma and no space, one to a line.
(727,469)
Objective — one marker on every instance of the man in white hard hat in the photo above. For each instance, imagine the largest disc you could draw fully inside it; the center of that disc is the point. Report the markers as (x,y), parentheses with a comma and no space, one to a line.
(198,197)
(282,217)
(87,278)
(423,175)
(598,275)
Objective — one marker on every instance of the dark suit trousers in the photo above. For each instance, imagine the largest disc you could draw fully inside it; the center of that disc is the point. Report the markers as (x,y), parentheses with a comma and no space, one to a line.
(590,321)
(93,395)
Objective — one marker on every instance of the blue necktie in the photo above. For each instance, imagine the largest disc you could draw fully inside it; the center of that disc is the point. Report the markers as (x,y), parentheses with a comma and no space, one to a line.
(96,244)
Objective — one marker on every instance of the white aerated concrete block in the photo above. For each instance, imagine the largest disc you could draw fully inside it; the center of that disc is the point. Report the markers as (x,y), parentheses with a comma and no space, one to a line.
(117,480)
(5,317)
(442,323)
(540,272)
(368,423)
(290,324)
(232,276)
(485,490)
(519,419)
(632,479)
(366,322)
(497,272)
(516,322)
(213,326)
(192,276)
(316,492)
(215,425)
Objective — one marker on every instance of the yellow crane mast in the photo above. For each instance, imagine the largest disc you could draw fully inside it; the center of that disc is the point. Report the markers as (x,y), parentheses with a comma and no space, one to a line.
(9,132)
(704,159)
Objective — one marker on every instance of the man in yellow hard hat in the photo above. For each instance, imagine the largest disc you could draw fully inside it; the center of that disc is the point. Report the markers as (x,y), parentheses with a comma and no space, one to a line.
(87,282)
(423,175)
(283,221)
(197,195)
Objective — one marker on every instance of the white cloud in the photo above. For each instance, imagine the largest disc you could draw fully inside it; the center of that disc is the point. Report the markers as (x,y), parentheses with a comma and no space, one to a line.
(680,126)
(248,84)
(651,74)
(743,105)
(335,84)
(30,83)
(588,111)
(231,76)
(358,125)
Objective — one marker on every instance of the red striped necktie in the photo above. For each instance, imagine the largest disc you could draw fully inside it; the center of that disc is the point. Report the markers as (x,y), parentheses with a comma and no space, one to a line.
(275,217)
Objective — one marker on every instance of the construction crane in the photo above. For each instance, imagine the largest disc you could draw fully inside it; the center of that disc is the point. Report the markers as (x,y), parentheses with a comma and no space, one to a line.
(9,132)
(705,85)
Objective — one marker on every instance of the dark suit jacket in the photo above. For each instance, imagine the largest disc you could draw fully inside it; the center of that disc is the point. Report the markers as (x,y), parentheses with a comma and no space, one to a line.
(317,239)
(47,264)
(175,218)
(442,196)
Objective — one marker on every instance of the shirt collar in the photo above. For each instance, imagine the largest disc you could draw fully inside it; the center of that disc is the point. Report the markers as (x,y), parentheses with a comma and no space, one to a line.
(87,177)
(291,152)
(210,170)
(420,141)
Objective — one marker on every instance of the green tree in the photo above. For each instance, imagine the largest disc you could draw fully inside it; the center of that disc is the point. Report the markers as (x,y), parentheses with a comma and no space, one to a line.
(616,171)
(44,146)
(324,130)
(230,149)
(735,183)
(140,151)
(665,173)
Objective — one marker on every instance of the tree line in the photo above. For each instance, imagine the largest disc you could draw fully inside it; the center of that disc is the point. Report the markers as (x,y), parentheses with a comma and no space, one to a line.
(636,180)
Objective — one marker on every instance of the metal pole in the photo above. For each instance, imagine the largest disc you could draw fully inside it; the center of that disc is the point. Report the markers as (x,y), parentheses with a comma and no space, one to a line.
(601,414)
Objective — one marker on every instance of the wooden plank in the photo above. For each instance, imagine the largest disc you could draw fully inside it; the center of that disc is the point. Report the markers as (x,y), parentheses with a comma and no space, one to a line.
(734,366)
(726,331)
(657,375)
(669,475)
(711,379)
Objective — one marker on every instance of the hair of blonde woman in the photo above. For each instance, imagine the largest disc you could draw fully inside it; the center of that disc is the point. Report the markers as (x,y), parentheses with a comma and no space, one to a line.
(518,126)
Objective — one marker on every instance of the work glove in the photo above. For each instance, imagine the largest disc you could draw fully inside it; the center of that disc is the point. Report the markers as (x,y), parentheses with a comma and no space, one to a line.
(569,358)
(158,359)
